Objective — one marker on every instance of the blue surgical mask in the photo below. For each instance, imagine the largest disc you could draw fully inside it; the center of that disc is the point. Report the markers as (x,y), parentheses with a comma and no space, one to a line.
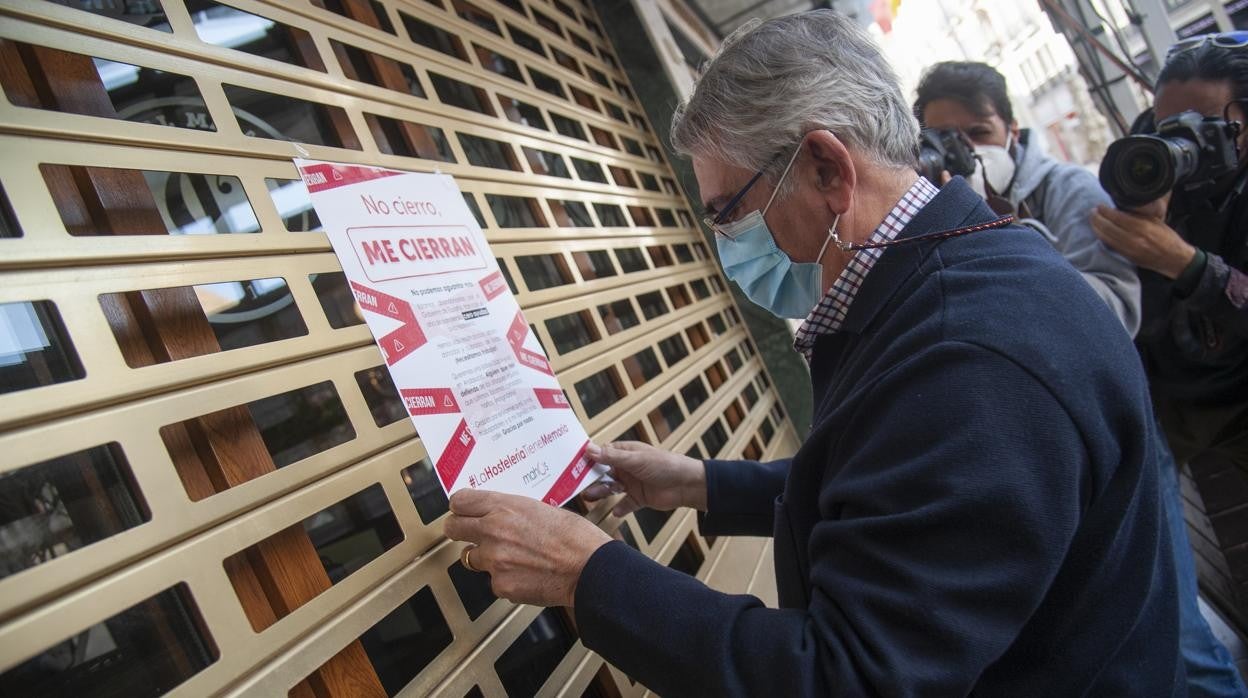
(764,272)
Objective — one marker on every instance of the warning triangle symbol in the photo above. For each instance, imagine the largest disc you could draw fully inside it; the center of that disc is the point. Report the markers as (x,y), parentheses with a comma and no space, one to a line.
(337,174)
(447,402)
(394,310)
(398,346)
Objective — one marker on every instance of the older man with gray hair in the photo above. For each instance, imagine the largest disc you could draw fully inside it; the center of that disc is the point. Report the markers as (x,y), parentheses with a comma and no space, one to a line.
(975,510)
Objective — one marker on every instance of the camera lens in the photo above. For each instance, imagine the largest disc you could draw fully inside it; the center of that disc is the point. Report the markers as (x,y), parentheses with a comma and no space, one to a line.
(1138,169)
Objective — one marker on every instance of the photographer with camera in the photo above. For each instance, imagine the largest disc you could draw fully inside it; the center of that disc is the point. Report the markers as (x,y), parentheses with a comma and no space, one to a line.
(1182,217)
(969,130)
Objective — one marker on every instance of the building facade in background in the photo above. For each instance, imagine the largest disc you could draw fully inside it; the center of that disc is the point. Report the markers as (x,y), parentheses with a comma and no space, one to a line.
(209,485)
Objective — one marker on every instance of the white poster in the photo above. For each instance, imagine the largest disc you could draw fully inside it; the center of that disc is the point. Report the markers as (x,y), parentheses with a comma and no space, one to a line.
(473,378)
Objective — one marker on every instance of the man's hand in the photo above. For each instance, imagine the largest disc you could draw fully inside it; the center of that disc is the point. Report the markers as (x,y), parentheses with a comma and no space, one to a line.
(1143,237)
(651,477)
(533,552)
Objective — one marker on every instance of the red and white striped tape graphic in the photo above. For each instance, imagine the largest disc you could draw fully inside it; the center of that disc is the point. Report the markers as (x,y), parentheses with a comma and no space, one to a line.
(404,340)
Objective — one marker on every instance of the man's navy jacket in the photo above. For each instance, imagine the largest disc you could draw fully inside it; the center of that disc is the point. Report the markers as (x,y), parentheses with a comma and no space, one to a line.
(976,509)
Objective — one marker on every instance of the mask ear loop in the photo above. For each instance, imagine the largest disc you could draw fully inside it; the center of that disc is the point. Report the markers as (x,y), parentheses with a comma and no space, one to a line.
(831,236)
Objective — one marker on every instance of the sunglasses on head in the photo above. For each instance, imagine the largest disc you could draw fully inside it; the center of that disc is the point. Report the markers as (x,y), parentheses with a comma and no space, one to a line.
(1235,39)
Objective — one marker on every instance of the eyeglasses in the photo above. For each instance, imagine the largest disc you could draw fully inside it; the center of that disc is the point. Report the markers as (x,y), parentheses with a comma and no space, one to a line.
(717,222)
(714,222)
(1235,39)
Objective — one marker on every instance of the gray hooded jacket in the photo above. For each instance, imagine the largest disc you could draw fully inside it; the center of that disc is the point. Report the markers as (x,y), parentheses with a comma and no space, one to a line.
(1061,197)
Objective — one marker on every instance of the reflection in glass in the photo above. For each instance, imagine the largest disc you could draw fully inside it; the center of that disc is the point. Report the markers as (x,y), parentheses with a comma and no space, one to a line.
(487,152)
(572,331)
(543,271)
(588,170)
(433,37)
(766,430)
(379,12)
(56,506)
(631,259)
(409,139)
(651,522)
(643,366)
(526,40)
(531,658)
(637,432)
(461,94)
(694,394)
(353,532)
(136,93)
(522,113)
(473,589)
(471,201)
(660,256)
(336,299)
(229,27)
(294,425)
(187,203)
(599,391)
(146,650)
(379,392)
(515,211)
(665,418)
(546,163)
(144,13)
(714,438)
(618,316)
(302,422)
(688,558)
(244,313)
(674,349)
(622,177)
(573,214)
(9,227)
(476,15)
(374,69)
(425,490)
(294,204)
(652,304)
(278,117)
(547,23)
(572,129)
(406,640)
(546,83)
(594,264)
(35,349)
(701,291)
(496,62)
(610,216)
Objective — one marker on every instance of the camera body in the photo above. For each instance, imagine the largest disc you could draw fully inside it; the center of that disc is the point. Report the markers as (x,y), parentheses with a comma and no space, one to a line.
(1188,151)
(943,150)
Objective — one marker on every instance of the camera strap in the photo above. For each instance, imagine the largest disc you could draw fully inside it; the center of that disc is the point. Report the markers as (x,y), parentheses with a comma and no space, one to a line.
(939,235)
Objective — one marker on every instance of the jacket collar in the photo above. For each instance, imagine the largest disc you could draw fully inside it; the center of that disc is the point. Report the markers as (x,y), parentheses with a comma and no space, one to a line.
(956,206)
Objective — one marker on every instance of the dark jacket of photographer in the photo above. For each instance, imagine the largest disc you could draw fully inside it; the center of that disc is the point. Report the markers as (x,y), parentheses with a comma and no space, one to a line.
(1194,340)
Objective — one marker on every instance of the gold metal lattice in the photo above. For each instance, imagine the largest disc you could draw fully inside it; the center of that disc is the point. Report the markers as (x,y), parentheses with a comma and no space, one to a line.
(190,406)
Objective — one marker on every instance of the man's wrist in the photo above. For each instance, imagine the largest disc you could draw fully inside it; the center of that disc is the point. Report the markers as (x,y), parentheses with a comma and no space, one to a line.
(1182,260)
(1188,278)
(695,492)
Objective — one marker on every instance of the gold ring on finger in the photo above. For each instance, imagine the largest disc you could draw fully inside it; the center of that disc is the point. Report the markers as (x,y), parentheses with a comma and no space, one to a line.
(463,558)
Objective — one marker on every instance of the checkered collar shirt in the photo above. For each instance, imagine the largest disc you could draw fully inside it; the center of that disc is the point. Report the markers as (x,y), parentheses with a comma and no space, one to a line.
(829,315)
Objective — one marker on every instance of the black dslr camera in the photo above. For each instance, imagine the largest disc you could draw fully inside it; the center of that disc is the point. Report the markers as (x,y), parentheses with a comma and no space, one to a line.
(1188,151)
(943,150)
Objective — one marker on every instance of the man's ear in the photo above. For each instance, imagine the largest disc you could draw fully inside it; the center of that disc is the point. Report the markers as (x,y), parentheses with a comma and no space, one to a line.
(833,167)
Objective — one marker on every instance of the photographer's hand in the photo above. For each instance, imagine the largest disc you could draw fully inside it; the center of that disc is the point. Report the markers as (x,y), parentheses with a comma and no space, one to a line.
(1143,237)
